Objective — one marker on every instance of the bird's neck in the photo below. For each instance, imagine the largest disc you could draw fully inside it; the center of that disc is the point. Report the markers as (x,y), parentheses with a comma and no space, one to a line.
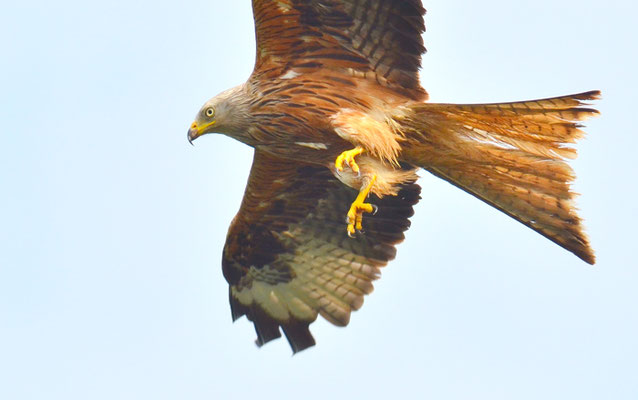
(238,118)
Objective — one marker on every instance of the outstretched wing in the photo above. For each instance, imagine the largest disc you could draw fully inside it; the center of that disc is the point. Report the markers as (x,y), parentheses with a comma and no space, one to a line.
(379,39)
(288,258)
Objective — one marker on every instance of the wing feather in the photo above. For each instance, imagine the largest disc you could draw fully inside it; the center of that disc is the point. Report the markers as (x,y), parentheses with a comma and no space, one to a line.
(378,39)
(288,258)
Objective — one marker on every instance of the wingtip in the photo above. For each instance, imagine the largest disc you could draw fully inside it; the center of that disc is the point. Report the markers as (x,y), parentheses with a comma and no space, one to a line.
(588,257)
(298,335)
(589,95)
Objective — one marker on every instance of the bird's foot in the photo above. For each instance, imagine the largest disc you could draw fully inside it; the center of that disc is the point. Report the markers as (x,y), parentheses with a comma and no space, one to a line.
(347,157)
(359,206)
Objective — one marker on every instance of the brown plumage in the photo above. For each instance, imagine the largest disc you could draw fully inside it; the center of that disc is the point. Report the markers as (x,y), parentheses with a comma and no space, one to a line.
(331,75)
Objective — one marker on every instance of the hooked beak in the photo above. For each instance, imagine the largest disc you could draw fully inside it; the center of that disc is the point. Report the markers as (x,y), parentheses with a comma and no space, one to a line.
(192,133)
(196,131)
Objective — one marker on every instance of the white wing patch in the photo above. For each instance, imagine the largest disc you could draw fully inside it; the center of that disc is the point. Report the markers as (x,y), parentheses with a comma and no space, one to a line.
(316,146)
(290,74)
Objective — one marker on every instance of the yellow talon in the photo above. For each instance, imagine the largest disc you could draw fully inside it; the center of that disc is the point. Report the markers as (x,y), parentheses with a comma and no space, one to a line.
(358,207)
(347,157)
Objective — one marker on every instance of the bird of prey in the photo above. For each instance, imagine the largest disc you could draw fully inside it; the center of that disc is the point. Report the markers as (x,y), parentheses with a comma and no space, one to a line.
(336,115)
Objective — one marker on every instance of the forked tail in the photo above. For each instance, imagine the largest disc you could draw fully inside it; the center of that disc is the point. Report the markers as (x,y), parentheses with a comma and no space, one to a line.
(510,155)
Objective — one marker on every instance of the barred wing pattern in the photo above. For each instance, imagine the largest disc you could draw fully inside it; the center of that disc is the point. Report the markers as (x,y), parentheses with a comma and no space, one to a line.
(288,258)
(377,39)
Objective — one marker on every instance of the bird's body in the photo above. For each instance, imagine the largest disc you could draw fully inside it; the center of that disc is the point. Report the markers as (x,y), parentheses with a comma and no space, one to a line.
(338,80)
(303,115)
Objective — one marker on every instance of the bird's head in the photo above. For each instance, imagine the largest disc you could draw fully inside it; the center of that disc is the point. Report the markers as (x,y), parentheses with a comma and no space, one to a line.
(225,113)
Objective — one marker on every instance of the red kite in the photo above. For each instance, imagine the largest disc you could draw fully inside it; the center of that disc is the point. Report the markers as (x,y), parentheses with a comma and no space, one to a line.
(334,107)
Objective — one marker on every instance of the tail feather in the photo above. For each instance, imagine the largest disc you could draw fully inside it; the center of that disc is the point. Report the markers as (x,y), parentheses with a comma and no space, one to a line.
(510,155)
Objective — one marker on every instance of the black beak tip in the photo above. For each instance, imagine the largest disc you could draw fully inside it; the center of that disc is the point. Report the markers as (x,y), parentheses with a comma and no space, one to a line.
(190,136)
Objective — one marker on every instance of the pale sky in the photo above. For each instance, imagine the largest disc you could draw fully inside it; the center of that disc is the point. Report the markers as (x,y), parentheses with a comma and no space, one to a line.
(112,225)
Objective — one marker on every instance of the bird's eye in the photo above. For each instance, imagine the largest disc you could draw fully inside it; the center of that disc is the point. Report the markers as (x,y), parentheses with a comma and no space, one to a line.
(210,112)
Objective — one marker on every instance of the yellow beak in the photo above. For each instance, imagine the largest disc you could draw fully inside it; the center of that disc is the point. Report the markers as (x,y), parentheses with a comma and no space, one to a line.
(196,131)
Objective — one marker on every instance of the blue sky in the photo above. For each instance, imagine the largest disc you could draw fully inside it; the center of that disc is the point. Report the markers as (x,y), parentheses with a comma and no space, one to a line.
(112,226)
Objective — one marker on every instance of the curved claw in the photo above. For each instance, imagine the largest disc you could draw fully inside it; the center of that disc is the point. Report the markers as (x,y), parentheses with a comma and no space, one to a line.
(347,157)
(354,218)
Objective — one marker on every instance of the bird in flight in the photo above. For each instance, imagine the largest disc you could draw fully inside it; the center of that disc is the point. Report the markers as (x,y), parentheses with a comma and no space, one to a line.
(340,125)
